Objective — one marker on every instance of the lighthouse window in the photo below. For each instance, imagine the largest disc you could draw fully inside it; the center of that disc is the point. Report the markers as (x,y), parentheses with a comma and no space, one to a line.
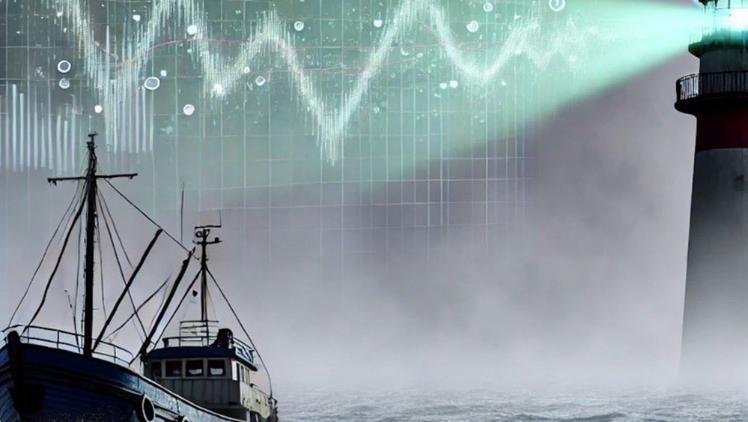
(194,368)
(174,368)
(216,368)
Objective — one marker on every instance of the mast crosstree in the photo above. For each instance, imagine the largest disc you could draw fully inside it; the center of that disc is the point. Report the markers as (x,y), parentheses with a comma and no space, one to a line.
(202,233)
(90,178)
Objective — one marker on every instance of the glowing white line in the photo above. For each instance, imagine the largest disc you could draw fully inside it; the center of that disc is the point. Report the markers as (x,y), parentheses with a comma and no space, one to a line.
(270,35)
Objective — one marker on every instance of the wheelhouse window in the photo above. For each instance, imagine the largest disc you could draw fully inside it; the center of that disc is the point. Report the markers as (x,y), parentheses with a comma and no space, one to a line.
(156,369)
(173,368)
(216,367)
(194,368)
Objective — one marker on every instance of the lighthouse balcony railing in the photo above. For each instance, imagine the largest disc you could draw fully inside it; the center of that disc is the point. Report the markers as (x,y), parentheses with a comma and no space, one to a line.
(712,85)
(71,342)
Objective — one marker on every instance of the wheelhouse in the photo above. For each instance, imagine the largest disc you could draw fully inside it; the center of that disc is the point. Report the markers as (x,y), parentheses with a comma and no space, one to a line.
(211,368)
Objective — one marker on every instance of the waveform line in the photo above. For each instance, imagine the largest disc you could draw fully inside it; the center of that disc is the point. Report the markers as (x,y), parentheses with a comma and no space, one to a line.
(271,36)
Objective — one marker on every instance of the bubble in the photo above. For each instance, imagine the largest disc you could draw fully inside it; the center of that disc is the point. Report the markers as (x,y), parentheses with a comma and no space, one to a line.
(163,73)
(454,84)
(298,26)
(260,81)
(378,23)
(64,83)
(192,30)
(246,70)
(152,83)
(64,66)
(443,85)
(488,7)
(188,109)
(218,89)
(473,26)
(136,17)
(557,5)
(98,109)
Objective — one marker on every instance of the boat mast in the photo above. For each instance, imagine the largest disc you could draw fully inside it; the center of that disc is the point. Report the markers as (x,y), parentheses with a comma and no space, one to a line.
(90,179)
(202,233)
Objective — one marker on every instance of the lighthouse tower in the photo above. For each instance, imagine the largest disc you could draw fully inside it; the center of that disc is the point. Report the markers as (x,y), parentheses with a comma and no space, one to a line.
(715,327)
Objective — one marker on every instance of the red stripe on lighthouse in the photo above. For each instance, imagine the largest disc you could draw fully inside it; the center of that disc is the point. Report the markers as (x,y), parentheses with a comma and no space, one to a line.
(722,128)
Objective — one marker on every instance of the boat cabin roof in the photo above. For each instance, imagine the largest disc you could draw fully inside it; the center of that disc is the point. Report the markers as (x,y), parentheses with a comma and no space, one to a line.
(202,339)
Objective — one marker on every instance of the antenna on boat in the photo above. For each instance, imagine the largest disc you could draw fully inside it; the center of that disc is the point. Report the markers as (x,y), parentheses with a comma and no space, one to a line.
(202,234)
(91,177)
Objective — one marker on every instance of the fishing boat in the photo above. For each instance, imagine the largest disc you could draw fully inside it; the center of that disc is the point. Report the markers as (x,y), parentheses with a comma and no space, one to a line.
(204,373)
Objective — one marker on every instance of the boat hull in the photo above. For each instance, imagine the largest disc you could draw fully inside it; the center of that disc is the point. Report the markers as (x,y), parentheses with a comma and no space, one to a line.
(39,383)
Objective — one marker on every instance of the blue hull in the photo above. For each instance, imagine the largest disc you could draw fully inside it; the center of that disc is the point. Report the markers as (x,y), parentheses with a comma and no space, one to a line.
(38,383)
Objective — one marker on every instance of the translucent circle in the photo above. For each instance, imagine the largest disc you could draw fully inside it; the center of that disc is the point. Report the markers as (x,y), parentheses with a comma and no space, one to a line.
(557,5)
(246,70)
(163,73)
(488,7)
(64,66)
(298,26)
(98,109)
(260,81)
(192,30)
(152,83)
(188,109)
(378,23)
(443,85)
(473,26)
(454,84)
(64,83)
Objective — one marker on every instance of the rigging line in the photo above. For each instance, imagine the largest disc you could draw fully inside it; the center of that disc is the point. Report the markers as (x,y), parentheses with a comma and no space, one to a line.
(116,233)
(46,250)
(109,338)
(179,305)
(148,341)
(147,217)
(77,284)
(101,265)
(119,264)
(246,333)
(59,259)
(128,285)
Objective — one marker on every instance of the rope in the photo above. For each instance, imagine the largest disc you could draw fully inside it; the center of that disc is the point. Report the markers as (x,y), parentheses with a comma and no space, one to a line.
(77,285)
(147,217)
(44,254)
(119,265)
(179,305)
(140,307)
(105,209)
(189,288)
(57,264)
(246,333)
(101,272)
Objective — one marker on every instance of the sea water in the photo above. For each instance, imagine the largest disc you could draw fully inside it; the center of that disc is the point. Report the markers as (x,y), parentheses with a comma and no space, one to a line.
(526,406)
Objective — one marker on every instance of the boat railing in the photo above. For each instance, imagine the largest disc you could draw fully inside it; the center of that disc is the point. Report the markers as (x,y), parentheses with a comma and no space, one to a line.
(72,342)
(203,334)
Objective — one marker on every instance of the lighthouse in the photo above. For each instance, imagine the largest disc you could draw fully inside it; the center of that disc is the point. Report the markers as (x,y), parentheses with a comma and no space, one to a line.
(715,325)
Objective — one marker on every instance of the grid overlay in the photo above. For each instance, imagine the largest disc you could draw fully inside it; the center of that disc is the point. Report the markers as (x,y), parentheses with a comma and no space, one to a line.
(426,157)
